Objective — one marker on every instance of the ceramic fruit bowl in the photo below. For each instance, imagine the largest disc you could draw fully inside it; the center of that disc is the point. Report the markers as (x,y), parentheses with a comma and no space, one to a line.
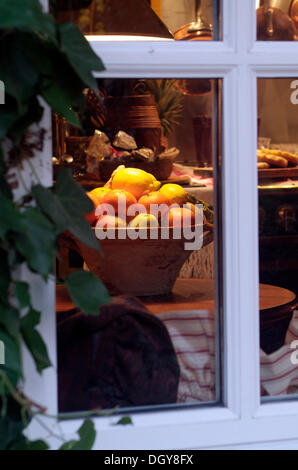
(139,266)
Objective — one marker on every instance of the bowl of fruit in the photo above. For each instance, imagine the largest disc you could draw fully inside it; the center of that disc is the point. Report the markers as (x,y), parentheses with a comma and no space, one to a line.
(146,233)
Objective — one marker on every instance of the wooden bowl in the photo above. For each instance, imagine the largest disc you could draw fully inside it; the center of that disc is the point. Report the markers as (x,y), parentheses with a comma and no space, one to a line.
(138,267)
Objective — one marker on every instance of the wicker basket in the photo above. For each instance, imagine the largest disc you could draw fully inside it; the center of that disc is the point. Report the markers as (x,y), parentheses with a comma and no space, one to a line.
(138,116)
(161,169)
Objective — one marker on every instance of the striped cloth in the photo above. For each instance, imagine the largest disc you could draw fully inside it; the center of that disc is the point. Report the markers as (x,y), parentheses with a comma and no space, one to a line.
(192,334)
(188,172)
(279,373)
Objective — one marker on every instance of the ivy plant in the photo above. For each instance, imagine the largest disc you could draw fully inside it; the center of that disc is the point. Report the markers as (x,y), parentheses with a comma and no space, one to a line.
(39,59)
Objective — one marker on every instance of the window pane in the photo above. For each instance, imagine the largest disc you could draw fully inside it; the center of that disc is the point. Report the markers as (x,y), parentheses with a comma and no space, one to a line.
(157,343)
(278,232)
(277,20)
(164,19)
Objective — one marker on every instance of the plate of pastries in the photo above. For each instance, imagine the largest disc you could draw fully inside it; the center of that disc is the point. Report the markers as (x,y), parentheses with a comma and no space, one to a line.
(276,162)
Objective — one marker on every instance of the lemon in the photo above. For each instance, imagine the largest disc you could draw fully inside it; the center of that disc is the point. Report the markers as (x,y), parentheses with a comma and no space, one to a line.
(174,193)
(135,181)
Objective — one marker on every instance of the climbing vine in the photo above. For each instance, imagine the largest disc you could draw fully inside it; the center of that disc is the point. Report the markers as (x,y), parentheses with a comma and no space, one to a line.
(40,60)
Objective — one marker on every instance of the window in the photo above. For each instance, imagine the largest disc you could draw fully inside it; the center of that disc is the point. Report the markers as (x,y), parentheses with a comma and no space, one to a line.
(164,350)
(278,234)
(160,19)
(242,421)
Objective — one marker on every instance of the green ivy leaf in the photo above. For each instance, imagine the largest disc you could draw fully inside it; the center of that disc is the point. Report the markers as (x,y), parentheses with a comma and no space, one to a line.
(32,114)
(51,206)
(59,206)
(12,424)
(66,206)
(5,189)
(13,366)
(8,116)
(22,294)
(34,341)
(10,431)
(16,71)
(26,15)
(59,100)
(87,291)
(9,318)
(4,274)
(9,216)
(71,195)
(124,420)
(79,53)
(2,163)
(36,241)
(30,445)
(87,435)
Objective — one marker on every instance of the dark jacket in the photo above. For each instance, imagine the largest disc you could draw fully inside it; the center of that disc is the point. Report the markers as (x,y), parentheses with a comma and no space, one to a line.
(124,357)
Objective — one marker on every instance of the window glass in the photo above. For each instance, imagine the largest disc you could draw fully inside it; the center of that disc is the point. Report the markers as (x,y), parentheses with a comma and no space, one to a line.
(278,234)
(277,20)
(157,342)
(163,19)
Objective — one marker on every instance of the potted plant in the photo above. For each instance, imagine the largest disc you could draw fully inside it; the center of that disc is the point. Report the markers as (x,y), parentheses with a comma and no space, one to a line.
(169,105)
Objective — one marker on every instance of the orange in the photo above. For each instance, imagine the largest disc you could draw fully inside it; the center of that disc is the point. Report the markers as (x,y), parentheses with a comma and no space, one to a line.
(109,221)
(91,217)
(155,198)
(96,196)
(194,209)
(98,193)
(179,217)
(118,200)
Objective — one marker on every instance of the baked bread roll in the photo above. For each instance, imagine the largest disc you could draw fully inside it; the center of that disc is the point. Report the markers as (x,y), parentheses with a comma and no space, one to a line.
(271,159)
(291,157)
(263,165)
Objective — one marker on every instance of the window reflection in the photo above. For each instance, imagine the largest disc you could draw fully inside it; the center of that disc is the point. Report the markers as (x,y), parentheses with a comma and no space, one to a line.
(277,156)
(277,20)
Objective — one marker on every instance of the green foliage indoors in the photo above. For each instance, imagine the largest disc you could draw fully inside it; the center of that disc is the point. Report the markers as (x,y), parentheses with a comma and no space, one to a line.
(39,58)
(168,101)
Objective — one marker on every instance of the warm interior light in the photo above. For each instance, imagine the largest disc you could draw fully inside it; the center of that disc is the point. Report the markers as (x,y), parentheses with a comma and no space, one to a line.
(113,17)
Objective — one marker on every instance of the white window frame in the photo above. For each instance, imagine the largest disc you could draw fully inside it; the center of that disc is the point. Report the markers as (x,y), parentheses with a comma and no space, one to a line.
(243,421)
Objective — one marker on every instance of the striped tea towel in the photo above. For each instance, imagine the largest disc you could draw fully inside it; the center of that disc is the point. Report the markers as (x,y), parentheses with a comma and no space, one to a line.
(192,334)
(279,373)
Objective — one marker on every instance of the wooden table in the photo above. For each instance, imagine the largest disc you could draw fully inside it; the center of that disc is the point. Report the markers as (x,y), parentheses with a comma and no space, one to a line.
(276,306)
(198,294)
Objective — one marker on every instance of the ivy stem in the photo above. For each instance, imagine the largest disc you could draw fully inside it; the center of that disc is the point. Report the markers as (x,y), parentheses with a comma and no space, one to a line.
(83,414)
(17,397)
